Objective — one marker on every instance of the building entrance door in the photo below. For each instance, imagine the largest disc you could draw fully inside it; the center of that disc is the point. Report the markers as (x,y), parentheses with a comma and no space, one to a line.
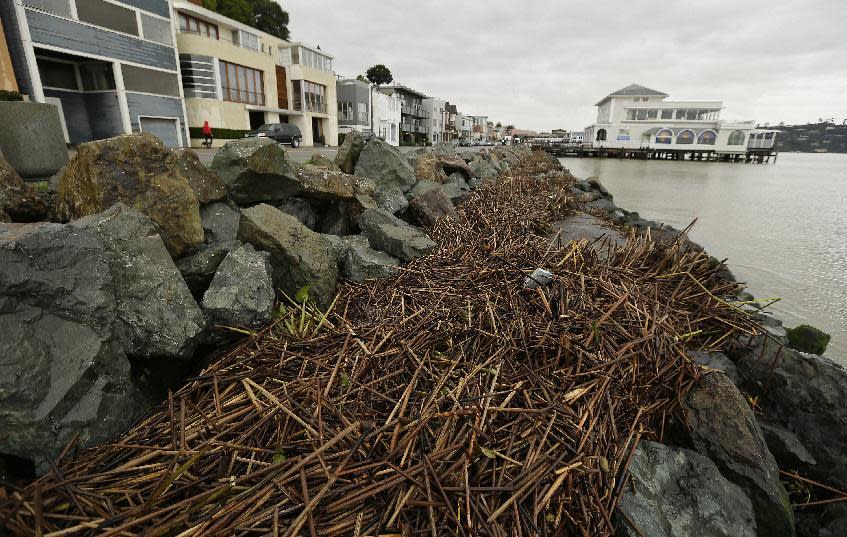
(317,131)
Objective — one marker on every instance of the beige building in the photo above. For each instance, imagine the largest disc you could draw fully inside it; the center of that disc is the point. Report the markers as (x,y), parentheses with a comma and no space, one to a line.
(7,75)
(238,78)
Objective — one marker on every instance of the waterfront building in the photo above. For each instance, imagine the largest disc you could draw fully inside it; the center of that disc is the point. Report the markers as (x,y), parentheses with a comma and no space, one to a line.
(435,108)
(577,137)
(450,131)
(354,102)
(387,117)
(478,124)
(110,67)
(413,129)
(637,117)
(238,78)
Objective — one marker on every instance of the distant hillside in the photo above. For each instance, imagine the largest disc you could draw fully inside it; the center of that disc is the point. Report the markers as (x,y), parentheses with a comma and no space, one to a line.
(812,138)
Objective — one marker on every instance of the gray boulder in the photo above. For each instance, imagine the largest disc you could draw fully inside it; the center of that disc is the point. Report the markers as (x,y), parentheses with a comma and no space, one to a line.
(299,256)
(207,186)
(724,429)
(385,166)
(457,179)
(679,493)
(220,222)
(786,448)
(455,191)
(255,170)
(241,293)
(389,234)
(301,210)
(718,361)
(603,204)
(804,393)
(349,151)
(392,200)
(421,187)
(199,268)
(158,316)
(430,207)
(484,169)
(360,262)
(31,138)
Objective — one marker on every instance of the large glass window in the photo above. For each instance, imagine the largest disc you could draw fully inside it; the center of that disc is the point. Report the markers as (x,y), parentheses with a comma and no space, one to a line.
(691,115)
(158,30)
(59,7)
(193,25)
(642,114)
(664,136)
(198,76)
(345,111)
(314,97)
(107,15)
(707,138)
(631,114)
(680,114)
(652,113)
(150,81)
(97,76)
(667,113)
(242,84)
(363,112)
(57,74)
(736,138)
(601,135)
(685,137)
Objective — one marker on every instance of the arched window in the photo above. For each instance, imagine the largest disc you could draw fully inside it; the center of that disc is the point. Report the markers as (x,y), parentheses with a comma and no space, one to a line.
(685,137)
(707,138)
(664,136)
(601,135)
(736,138)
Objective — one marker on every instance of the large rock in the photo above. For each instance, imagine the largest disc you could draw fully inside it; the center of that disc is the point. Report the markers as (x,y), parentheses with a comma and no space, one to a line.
(679,493)
(807,338)
(220,222)
(301,210)
(421,187)
(806,394)
(76,301)
(318,160)
(159,317)
(207,186)
(349,151)
(430,207)
(385,166)
(199,268)
(427,166)
(299,256)
(140,172)
(241,293)
(360,262)
(392,200)
(454,164)
(718,361)
(389,234)
(484,169)
(255,170)
(19,200)
(31,139)
(724,429)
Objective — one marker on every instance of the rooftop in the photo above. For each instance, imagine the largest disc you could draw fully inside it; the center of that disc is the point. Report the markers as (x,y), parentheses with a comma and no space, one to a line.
(399,88)
(633,90)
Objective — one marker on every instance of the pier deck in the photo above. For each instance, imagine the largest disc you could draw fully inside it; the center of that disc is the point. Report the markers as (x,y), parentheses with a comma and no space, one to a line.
(758,156)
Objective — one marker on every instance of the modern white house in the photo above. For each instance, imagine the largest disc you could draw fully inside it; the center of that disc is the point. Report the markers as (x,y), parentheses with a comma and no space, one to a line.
(387,116)
(436,108)
(637,117)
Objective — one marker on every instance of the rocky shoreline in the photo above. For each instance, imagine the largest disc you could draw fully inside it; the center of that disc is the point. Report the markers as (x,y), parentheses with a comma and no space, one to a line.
(150,261)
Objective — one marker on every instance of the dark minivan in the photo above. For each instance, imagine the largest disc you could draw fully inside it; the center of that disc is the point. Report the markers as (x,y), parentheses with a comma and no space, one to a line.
(283,133)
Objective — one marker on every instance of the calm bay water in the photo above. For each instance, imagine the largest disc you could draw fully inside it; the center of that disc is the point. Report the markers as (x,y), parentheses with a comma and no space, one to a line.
(783,226)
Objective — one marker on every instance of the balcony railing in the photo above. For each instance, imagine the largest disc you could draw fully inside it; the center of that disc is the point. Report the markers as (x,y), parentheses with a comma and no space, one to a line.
(223,38)
(317,108)
(415,111)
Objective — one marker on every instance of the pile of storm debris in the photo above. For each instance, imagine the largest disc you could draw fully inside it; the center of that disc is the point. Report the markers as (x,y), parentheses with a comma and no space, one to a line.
(519,365)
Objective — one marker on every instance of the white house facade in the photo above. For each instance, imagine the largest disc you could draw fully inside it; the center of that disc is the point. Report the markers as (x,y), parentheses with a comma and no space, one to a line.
(387,115)
(436,109)
(637,117)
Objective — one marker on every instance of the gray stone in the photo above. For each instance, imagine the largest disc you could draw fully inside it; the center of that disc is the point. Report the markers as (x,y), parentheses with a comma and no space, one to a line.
(339,246)
(199,268)
(301,210)
(679,493)
(241,293)
(385,166)
(595,184)
(255,170)
(484,169)
(457,179)
(349,151)
(299,256)
(207,186)
(159,317)
(361,262)
(220,222)
(431,206)
(603,204)
(421,187)
(454,164)
(786,448)
(389,234)
(723,428)
(718,361)
(454,191)
(31,139)
(19,200)
(342,217)
(392,200)
(804,393)
(585,227)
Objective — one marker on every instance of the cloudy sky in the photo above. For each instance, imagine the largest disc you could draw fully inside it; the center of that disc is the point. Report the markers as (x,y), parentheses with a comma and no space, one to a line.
(543,64)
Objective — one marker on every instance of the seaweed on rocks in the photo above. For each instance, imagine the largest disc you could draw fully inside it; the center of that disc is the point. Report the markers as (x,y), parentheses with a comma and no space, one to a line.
(445,399)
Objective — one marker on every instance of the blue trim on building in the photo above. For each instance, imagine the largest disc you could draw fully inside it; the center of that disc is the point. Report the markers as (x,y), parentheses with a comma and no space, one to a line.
(141,104)
(157,7)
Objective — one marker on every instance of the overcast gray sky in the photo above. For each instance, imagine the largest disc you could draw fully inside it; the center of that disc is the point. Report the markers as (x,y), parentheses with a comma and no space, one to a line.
(543,64)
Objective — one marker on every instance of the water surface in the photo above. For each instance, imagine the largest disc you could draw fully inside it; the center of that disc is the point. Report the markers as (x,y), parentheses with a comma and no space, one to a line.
(781,226)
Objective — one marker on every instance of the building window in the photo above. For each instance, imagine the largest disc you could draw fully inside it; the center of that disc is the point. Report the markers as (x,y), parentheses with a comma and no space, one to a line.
(736,138)
(314,96)
(241,84)
(158,30)
(363,112)
(601,135)
(245,39)
(345,111)
(107,15)
(198,76)
(57,74)
(297,89)
(59,7)
(150,81)
(311,58)
(685,137)
(193,25)
(707,138)
(667,113)
(680,114)
(664,136)
(97,76)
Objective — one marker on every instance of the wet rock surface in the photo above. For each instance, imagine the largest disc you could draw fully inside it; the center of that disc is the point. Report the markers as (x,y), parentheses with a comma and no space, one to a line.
(241,293)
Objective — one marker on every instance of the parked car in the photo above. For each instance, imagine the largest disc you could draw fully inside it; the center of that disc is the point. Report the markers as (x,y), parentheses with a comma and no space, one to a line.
(283,133)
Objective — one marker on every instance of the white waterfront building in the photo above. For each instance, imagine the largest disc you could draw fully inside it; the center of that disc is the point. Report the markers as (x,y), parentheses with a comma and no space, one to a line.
(387,116)
(636,117)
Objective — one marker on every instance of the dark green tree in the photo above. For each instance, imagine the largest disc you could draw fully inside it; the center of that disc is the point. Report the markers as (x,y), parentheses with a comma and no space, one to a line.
(239,10)
(362,78)
(270,18)
(379,75)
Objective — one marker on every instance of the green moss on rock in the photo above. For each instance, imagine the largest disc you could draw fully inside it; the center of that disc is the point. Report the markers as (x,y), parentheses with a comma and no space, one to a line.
(806,338)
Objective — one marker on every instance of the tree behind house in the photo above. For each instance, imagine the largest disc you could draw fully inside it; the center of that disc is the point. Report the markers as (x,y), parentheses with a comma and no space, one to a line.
(264,15)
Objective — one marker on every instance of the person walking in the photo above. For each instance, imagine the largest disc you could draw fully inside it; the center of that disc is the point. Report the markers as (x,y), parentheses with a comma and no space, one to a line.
(207,134)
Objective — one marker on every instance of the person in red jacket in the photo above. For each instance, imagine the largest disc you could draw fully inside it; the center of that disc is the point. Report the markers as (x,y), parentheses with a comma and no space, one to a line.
(207,134)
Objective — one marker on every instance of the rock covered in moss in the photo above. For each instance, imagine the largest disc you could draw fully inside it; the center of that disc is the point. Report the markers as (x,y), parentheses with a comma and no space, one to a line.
(349,151)
(320,161)
(136,170)
(807,338)
(19,201)
(207,186)
(385,166)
